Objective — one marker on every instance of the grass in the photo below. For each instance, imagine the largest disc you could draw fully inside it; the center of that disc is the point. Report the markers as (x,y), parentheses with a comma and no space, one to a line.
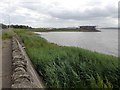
(73,67)
(7,35)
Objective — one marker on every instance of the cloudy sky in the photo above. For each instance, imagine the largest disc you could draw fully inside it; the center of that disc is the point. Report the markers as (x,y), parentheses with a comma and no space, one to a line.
(59,13)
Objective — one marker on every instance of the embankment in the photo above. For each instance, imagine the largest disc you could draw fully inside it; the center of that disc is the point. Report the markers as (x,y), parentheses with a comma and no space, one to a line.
(24,75)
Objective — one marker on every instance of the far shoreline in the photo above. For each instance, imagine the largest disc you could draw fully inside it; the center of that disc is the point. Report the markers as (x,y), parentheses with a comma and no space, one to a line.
(63,30)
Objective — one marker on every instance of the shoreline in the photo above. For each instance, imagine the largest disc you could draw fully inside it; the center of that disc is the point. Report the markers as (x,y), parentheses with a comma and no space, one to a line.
(81,40)
(52,60)
(64,30)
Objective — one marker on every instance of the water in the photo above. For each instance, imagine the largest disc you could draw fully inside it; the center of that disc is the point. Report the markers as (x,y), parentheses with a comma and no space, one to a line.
(104,42)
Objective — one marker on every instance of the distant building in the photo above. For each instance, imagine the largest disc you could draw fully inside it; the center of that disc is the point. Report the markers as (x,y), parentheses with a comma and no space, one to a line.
(88,27)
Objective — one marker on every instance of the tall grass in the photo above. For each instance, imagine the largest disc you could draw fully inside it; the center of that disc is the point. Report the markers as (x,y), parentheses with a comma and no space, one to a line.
(7,35)
(73,67)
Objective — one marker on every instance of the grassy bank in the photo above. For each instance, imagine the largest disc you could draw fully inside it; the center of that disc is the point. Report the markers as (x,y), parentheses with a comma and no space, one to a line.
(67,67)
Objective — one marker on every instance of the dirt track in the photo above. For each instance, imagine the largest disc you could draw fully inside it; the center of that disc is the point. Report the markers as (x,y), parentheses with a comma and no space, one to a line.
(6,63)
(0,63)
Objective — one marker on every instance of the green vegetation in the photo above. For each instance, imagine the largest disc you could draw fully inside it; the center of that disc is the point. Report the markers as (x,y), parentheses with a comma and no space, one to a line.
(7,35)
(73,67)
(55,30)
(15,26)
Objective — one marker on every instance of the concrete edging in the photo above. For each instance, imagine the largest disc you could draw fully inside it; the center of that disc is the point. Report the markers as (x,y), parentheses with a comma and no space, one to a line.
(24,75)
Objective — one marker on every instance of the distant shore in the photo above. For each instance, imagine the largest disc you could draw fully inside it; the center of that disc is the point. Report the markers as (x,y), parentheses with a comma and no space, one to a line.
(63,29)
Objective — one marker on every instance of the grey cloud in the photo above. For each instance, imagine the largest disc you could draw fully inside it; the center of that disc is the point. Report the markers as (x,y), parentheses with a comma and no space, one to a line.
(37,6)
(61,16)
(87,14)
(55,10)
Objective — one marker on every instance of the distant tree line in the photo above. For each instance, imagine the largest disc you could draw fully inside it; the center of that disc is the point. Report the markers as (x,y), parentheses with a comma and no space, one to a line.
(15,26)
(3,26)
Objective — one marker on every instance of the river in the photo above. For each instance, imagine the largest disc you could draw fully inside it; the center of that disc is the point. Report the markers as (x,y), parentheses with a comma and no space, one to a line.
(105,41)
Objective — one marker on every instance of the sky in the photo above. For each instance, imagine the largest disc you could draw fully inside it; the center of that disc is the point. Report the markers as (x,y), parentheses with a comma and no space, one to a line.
(60,13)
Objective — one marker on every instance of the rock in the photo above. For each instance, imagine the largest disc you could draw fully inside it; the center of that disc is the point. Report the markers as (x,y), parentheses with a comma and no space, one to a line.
(20,63)
(16,52)
(18,76)
(24,85)
(17,69)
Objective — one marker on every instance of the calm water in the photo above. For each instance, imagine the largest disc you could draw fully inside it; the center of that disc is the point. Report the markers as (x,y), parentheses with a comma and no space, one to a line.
(105,42)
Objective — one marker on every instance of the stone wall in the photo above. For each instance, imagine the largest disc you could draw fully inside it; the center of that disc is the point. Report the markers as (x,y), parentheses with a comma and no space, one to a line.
(21,77)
